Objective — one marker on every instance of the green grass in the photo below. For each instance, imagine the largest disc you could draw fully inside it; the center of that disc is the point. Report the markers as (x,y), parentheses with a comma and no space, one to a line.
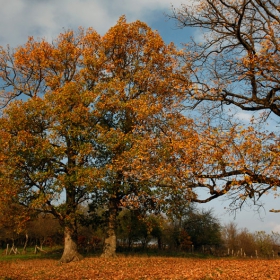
(54,253)
(165,253)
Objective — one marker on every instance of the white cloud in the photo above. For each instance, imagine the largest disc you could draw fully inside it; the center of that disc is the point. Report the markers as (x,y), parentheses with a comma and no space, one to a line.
(244,116)
(275,227)
(47,18)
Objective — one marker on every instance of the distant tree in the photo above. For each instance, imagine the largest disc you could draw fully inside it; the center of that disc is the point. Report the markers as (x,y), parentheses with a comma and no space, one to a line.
(157,224)
(246,243)
(242,241)
(229,236)
(134,226)
(131,228)
(185,240)
(44,229)
(266,243)
(238,241)
(202,227)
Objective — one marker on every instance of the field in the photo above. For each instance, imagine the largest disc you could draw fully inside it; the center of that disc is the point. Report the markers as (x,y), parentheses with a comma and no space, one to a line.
(140,268)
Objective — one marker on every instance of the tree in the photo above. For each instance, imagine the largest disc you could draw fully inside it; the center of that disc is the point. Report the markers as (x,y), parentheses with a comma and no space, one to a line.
(13,223)
(202,227)
(136,227)
(231,160)
(229,236)
(44,230)
(246,243)
(238,241)
(140,94)
(237,63)
(48,154)
(265,242)
(99,109)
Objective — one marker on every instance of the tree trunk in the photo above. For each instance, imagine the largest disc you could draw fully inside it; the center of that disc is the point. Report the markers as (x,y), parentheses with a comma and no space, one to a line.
(159,241)
(25,244)
(70,252)
(110,243)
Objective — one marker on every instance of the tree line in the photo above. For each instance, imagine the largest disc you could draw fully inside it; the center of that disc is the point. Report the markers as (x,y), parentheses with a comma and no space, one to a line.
(127,122)
(197,232)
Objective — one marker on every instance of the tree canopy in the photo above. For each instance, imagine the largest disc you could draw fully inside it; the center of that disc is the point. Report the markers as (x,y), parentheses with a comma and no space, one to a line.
(102,119)
(235,63)
(93,111)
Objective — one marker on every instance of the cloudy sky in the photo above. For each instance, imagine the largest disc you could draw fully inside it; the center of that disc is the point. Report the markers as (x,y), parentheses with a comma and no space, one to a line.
(47,18)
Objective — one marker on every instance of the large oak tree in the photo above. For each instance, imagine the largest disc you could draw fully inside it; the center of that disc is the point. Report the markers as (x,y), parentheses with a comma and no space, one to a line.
(94,111)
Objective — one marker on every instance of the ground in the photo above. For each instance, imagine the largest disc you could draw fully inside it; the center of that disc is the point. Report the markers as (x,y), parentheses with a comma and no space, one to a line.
(140,268)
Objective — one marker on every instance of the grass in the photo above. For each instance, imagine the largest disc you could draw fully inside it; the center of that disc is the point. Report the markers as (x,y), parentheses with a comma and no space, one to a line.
(51,253)
(55,253)
(171,254)
(164,253)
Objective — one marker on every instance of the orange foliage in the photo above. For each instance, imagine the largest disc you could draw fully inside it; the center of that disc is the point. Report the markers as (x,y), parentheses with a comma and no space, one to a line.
(98,108)
(142,268)
(105,114)
(95,105)
(237,64)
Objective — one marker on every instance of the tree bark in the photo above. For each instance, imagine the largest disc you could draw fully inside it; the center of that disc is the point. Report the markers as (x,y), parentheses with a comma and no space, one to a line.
(110,243)
(70,252)
(159,242)
(25,244)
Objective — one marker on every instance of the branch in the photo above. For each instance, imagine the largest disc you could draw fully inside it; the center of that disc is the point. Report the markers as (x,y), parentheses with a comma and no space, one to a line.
(274,211)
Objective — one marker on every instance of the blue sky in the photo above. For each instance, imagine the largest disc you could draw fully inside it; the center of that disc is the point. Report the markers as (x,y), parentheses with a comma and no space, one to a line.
(47,18)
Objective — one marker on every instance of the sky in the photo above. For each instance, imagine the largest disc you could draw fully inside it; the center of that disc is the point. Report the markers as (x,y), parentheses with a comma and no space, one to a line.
(20,19)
